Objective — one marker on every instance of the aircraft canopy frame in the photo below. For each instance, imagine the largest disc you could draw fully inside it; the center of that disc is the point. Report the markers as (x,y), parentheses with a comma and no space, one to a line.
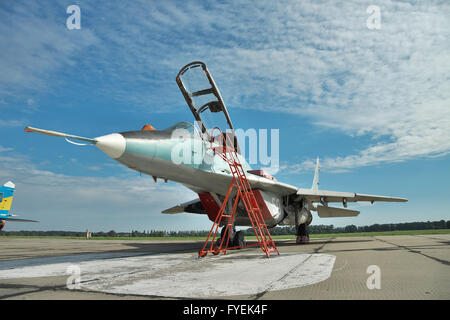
(207,91)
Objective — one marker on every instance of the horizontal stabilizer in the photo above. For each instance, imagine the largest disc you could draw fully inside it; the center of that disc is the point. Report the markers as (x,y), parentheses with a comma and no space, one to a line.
(330,212)
(193,206)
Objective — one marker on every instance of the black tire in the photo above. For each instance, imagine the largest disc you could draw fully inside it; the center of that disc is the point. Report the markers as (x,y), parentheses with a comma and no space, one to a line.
(302,230)
(238,239)
(222,232)
(302,234)
(224,235)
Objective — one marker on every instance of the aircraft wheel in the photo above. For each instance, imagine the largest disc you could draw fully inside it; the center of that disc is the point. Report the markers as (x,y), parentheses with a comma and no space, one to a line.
(239,239)
(302,234)
(224,235)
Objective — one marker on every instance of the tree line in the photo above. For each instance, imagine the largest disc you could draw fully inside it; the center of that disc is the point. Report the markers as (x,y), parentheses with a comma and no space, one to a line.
(324,229)
(312,229)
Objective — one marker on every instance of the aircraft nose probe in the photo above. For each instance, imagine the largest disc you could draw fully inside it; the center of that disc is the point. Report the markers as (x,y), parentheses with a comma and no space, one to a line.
(112,144)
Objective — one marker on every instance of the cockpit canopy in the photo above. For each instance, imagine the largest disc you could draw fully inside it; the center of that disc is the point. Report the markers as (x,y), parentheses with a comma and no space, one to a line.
(204,100)
(182,125)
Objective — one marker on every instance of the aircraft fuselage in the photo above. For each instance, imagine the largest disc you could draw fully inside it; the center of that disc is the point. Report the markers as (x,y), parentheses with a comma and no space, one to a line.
(187,159)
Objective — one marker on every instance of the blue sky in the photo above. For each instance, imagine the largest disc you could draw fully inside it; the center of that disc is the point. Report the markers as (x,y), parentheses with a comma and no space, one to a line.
(373,104)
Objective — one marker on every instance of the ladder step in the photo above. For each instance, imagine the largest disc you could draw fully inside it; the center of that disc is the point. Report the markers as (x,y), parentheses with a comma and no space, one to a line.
(244,189)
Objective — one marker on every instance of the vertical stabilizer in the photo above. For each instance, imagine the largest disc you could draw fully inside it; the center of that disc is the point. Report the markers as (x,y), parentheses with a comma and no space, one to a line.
(315,184)
(6,195)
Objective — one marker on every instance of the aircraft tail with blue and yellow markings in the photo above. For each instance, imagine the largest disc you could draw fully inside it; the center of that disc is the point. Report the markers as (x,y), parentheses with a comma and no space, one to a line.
(6,198)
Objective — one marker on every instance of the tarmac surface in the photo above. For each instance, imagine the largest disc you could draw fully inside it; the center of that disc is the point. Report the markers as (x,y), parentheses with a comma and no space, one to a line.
(380,267)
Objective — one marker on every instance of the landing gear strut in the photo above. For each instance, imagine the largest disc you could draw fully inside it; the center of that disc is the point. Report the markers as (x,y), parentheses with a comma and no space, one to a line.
(302,234)
(236,238)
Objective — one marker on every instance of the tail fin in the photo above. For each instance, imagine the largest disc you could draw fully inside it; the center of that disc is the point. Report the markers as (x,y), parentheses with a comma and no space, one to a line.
(315,184)
(6,197)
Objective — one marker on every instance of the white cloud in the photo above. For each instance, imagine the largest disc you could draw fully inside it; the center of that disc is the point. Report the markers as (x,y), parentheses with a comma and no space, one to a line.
(314,60)
(321,62)
(36,44)
(12,123)
(4,149)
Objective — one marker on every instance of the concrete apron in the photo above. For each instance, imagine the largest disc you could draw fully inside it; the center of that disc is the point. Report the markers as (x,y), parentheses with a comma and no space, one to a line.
(179,275)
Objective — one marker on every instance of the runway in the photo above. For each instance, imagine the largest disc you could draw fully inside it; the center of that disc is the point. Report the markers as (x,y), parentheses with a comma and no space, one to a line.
(381,267)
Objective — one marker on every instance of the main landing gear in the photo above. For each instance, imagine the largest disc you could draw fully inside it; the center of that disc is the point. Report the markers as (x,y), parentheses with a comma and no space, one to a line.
(302,234)
(236,238)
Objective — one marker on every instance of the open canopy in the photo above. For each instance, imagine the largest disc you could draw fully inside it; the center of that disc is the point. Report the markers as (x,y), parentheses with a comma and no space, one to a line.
(203,98)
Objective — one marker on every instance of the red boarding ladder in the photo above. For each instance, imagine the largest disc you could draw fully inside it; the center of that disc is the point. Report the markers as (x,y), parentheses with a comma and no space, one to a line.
(244,191)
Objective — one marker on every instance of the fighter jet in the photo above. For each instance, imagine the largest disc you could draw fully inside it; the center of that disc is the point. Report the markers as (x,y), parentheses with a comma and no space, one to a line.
(182,153)
(6,198)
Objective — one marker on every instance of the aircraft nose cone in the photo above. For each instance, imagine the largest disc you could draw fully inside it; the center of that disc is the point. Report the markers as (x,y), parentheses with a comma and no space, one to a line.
(112,144)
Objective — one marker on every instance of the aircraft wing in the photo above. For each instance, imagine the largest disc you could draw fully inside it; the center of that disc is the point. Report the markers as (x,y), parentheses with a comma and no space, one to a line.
(336,196)
(265,184)
(9,218)
(219,183)
(315,195)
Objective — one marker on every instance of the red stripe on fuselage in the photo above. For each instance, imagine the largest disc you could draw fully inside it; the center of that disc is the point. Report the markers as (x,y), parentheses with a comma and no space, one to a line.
(212,208)
(210,205)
